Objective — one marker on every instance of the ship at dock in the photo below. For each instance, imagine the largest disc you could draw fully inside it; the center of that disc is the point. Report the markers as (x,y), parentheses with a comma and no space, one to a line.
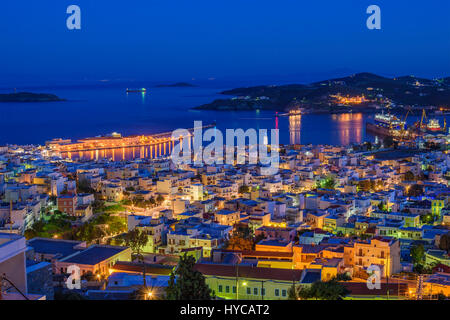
(387,125)
(430,126)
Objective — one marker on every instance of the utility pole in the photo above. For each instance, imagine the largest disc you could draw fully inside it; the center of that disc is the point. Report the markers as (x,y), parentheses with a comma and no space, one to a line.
(262,290)
(237,282)
(237,275)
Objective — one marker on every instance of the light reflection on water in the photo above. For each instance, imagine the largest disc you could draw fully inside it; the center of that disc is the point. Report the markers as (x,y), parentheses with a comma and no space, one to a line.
(122,154)
(99,111)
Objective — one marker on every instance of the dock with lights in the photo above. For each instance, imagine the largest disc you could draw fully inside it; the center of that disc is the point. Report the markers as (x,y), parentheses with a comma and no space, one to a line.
(115,141)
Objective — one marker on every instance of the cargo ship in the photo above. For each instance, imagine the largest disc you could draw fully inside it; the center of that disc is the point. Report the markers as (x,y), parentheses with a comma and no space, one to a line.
(137,90)
(431,127)
(386,125)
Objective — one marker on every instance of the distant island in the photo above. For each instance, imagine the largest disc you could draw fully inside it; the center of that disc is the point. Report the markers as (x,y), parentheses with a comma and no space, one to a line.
(28,97)
(178,84)
(362,92)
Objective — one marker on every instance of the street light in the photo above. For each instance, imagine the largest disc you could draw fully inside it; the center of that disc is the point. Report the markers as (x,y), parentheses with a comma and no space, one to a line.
(237,272)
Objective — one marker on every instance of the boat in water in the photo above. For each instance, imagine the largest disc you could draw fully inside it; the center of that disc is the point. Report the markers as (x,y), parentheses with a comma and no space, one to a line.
(433,125)
(137,90)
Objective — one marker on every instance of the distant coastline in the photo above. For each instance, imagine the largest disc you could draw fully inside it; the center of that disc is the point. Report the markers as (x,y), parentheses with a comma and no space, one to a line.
(29,97)
(358,93)
(175,85)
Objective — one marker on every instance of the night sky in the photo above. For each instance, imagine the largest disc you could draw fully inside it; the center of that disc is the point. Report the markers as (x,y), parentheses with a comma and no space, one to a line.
(224,39)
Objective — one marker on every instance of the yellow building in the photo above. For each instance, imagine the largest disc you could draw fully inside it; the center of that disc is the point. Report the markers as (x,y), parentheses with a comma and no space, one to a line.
(330,268)
(437,205)
(227,217)
(437,283)
(249,282)
(383,252)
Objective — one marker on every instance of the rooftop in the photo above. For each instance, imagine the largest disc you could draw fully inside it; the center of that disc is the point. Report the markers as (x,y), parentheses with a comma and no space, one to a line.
(94,254)
(248,272)
(63,248)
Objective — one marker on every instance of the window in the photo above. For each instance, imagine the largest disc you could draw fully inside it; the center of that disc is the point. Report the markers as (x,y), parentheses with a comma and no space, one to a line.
(234,289)
(255,291)
(227,289)
(249,291)
(263,291)
(220,288)
(283,293)
(277,292)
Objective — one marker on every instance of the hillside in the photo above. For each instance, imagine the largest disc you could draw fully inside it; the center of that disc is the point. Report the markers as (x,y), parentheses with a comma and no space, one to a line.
(321,96)
(28,97)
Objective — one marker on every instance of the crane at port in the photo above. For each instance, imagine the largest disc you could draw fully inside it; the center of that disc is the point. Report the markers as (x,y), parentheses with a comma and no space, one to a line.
(424,115)
(432,125)
(403,130)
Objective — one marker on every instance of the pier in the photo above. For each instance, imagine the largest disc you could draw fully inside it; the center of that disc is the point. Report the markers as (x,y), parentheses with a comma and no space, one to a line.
(116,141)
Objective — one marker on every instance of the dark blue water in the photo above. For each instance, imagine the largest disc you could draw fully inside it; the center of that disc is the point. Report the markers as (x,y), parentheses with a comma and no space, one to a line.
(99,110)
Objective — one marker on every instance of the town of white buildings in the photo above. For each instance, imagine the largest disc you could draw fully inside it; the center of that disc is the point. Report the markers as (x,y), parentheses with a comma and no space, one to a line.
(328,211)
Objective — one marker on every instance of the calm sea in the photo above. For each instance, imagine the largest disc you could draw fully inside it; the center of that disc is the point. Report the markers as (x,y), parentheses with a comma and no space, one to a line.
(102,109)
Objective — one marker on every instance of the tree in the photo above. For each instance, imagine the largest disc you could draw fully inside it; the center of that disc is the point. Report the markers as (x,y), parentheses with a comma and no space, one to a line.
(382,207)
(328,182)
(418,257)
(343,277)
(364,185)
(30,233)
(292,293)
(136,240)
(415,190)
(159,199)
(409,176)
(241,238)
(244,189)
(186,283)
(328,290)
(238,243)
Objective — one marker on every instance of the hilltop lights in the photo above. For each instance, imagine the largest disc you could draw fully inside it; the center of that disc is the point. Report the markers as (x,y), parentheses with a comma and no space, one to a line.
(348,100)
